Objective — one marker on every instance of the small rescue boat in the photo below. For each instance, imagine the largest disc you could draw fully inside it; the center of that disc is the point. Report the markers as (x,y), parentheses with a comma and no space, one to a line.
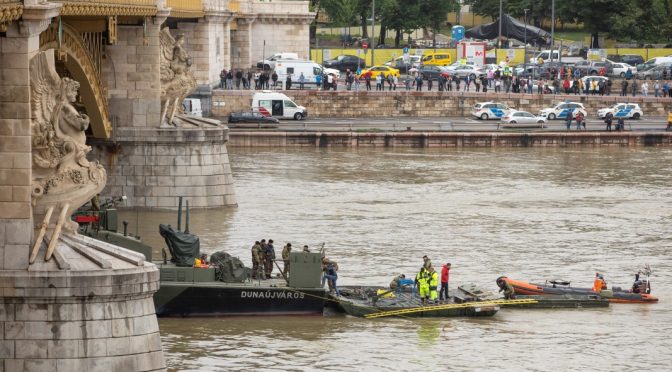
(640,292)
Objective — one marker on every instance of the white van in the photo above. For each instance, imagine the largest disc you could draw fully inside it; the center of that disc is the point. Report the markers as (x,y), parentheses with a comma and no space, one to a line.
(294,68)
(278,105)
(269,63)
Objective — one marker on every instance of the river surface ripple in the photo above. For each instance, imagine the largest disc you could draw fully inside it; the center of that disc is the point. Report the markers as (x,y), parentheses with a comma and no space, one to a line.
(532,214)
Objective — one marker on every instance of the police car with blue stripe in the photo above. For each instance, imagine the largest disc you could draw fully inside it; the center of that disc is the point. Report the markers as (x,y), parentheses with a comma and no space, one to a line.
(561,110)
(490,110)
(622,110)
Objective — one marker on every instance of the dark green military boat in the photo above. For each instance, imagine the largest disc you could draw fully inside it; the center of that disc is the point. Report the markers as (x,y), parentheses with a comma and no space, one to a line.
(225,287)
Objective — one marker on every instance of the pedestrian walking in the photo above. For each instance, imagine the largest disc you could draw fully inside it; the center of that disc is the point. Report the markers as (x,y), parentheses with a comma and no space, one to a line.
(568,120)
(288,82)
(645,89)
(379,82)
(608,119)
(634,87)
(430,83)
(624,87)
(318,81)
(302,80)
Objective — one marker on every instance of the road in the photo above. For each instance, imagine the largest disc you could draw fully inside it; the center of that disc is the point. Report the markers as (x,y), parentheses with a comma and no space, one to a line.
(442,124)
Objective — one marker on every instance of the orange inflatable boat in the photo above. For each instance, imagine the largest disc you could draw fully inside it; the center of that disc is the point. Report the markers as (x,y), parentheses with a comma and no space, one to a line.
(640,292)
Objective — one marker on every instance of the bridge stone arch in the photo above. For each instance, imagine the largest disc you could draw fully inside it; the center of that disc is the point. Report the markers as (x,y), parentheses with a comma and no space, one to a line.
(80,60)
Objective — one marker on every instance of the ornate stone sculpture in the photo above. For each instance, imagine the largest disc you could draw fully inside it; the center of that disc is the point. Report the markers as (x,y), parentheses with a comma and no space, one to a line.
(177,80)
(62,178)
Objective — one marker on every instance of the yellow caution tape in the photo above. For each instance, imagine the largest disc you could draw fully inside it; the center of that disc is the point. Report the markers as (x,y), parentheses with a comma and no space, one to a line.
(430,308)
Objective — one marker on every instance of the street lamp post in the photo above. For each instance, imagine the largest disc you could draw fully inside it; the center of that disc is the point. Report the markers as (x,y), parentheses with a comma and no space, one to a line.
(525,52)
(553,29)
(499,41)
(373,33)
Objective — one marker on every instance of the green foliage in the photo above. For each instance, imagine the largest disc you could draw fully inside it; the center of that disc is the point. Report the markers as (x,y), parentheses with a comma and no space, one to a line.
(639,20)
(341,12)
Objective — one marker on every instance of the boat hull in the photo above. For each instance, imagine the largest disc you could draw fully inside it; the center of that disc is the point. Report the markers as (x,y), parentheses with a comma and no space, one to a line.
(531,289)
(220,299)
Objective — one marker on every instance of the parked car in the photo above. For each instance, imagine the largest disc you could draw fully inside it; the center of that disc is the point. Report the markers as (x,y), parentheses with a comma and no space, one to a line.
(622,110)
(467,70)
(561,110)
(269,64)
(655,72)
(620,68)
(404,65)
(490,110)
(592,67)
(653,62)
(251,117)
(345,62)
(384,70)
(522,119)
(432,72)
(631,59)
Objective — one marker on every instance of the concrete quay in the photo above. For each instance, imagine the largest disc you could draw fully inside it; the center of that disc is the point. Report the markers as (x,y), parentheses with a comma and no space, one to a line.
(446,139)
(402,103)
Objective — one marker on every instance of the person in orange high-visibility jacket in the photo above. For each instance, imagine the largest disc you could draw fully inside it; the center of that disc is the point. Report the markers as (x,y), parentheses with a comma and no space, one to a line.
(599,284)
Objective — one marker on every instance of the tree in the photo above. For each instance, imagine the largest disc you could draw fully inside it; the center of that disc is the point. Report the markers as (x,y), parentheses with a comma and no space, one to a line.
(434,13)
(489,8)
(341,12)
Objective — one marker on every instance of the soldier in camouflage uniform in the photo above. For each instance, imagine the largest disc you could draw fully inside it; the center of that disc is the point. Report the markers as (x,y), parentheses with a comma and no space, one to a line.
(285,258)
(256,259)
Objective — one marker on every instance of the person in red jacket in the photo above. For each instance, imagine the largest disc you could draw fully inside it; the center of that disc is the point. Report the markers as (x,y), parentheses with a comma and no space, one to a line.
(445,271)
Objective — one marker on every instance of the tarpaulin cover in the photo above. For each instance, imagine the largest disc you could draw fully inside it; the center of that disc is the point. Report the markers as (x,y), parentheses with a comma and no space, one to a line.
(229,269)
(183,247)
(511,29)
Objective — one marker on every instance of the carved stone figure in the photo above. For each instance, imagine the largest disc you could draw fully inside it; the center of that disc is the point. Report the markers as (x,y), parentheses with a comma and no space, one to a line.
(62,178)
(177,80)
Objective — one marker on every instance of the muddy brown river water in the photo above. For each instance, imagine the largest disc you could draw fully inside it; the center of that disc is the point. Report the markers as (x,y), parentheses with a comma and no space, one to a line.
(531,214)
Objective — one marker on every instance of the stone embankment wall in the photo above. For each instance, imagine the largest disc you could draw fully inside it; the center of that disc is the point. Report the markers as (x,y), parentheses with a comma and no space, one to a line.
(348,104)
(446,139)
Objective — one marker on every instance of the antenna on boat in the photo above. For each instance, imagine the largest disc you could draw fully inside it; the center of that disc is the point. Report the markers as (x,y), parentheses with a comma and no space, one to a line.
(179,214)
(186,222)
